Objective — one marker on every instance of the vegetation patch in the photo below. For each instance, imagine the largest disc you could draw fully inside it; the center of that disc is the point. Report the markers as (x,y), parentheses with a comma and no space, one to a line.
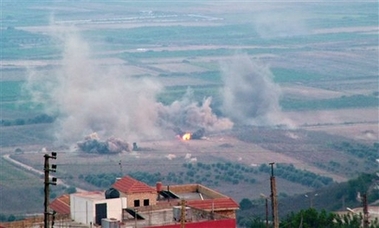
(362,151)
(214,174)
(354,101)
(304,177)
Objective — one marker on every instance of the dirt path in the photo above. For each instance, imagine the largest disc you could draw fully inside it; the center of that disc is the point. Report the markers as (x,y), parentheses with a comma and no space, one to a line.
(36,171)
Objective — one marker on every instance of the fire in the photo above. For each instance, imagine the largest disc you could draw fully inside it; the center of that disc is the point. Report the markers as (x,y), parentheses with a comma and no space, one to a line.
(186,136)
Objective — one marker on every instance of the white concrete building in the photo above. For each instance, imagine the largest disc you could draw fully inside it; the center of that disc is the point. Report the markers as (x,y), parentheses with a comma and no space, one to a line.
(90,208)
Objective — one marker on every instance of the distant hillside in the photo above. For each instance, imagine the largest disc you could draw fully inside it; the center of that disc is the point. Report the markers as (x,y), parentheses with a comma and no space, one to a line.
(335,197)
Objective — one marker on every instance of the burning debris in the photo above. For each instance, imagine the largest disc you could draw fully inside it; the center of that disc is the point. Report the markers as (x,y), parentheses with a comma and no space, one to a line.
(92,144)
(188,136)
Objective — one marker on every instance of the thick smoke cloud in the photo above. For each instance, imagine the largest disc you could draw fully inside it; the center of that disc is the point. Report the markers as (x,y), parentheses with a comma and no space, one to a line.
(88,97)
(190,114)
(92,144)
(249,95)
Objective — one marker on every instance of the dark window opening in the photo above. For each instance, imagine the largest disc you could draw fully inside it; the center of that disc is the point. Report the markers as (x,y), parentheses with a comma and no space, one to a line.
(146,202)
(136,203)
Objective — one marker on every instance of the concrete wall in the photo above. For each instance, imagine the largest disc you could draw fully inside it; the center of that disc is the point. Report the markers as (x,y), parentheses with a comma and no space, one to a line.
(83,210)
(225,223)
(152,197)
(194,188)
(209,192)
(79,209)
(114,208)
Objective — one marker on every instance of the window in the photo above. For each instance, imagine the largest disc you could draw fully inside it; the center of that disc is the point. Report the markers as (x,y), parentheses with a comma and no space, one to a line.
(136,203)
(146,202)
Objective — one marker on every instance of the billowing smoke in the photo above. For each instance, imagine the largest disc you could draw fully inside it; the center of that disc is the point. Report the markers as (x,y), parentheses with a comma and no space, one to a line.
(249,95)
(198,134)
(190,114)
(92,144)
(87,97)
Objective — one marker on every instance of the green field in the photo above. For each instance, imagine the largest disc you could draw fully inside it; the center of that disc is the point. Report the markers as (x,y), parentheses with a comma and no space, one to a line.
(14,177)
(310,48)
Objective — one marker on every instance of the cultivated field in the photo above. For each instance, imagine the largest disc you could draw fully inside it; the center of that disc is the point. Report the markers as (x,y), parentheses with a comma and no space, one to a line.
(320,66)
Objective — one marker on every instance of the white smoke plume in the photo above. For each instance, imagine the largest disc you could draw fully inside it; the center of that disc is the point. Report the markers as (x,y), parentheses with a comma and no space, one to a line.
(90,98)
(249,95)
(87,97)
(188,113)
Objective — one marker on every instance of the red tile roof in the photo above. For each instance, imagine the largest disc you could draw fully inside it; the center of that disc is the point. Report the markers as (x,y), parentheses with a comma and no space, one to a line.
(129,185)
(216,204)
(61,204)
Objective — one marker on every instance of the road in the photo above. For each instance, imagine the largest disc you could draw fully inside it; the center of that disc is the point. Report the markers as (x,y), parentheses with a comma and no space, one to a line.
(37,172)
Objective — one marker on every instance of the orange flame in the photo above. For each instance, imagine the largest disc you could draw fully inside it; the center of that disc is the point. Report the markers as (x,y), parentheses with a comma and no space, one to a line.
(186,136)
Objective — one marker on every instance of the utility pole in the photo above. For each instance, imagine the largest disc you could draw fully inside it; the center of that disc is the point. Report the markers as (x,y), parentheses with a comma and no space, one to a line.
(366,221)
(266,207)
(47,184)
(183,214)
(274,202)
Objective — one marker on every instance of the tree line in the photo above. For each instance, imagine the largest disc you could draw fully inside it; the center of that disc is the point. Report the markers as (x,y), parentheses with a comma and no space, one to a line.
(42,118)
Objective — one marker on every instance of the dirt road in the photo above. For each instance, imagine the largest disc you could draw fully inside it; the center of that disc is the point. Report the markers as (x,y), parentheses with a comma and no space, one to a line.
(36,171)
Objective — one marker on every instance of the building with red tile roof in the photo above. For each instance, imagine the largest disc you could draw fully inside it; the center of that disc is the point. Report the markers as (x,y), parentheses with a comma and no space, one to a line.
(136,192)
(61,205)
(129,185)
(130,203)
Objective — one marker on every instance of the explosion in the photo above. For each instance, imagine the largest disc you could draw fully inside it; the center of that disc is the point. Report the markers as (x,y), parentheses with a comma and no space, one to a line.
(91,97)
(92,144)
(186,136)
(189,136)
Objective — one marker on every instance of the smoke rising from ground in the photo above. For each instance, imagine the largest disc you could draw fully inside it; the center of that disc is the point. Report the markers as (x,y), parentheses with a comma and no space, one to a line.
(249,95)
(89,97)
(92,144)
(190,114)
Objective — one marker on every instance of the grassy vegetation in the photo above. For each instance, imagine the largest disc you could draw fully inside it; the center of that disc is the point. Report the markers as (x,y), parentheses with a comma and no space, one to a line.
(304,177)
(14,183)
(354,101)
(362,151)
(282,75)
(183,35)
(174,93)
(10,90)
(177,54)
(12,177)
(20,44)
(12,98)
